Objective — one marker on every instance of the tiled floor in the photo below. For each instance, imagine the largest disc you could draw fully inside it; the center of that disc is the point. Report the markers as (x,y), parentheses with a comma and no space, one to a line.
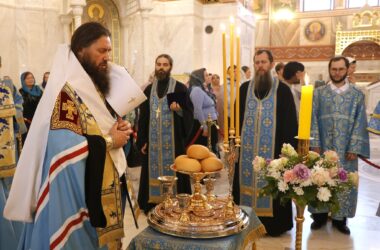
(365,227)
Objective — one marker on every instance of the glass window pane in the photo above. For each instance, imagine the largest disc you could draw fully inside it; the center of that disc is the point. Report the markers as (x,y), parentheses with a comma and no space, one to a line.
(312,5)
(360,3)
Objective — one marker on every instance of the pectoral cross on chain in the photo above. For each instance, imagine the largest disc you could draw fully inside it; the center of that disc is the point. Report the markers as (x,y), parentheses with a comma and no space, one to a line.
(158,111)
(258,115)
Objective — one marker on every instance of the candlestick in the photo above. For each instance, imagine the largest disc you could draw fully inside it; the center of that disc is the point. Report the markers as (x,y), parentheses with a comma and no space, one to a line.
(232,74)
(305,112)
(237,102)
(225,102)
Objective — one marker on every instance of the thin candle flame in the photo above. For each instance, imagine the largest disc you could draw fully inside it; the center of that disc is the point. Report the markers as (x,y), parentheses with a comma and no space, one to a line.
(232,19)
(222,27)
(238,31)
(307,79)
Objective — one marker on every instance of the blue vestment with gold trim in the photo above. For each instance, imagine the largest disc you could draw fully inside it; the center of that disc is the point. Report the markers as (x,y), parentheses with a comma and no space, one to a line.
(339,123)
(257,139)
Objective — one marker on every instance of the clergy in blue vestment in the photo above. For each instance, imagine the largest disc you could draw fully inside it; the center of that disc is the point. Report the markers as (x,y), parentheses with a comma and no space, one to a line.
(11,126)
(339,123)
(66,185)
(374,122)
(163,132)
(268,119)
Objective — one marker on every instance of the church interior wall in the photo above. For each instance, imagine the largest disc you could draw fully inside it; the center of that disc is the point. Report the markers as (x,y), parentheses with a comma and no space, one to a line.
(178,28)
(289,42)
(213,16)
(30,31)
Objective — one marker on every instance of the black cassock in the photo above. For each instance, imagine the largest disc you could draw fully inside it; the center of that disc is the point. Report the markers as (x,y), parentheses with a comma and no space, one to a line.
(182,128)
(286,130)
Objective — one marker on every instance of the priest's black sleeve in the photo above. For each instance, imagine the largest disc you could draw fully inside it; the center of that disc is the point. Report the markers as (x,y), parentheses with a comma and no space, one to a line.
(187,119)
(143,123)
(287,125)
(94,178)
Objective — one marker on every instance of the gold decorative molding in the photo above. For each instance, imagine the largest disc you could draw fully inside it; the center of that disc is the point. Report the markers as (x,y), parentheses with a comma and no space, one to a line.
(302,53)
(366,19)
(346,38)
(363,50)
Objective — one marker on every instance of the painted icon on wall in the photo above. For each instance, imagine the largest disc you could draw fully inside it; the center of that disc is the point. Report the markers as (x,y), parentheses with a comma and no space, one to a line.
(315,31)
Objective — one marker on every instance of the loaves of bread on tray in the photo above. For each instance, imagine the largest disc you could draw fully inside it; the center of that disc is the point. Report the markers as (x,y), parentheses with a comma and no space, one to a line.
(198,158)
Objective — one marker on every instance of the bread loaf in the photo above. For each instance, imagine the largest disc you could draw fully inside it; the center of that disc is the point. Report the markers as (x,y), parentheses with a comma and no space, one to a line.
(211,164)
(211,154)
(179,157)
(198,152)
(183,163)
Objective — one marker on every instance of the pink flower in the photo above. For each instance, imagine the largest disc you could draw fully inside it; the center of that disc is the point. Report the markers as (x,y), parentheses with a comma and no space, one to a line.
(289,176)
(331,155)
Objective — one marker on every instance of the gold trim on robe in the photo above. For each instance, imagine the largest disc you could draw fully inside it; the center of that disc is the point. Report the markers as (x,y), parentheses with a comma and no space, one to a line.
(71,113)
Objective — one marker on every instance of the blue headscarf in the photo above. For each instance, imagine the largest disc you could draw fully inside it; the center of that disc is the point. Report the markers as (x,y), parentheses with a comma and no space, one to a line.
(35,90)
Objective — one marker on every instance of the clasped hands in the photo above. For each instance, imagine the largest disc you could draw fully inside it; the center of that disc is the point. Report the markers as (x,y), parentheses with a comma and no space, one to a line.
(120,133)
(175,107)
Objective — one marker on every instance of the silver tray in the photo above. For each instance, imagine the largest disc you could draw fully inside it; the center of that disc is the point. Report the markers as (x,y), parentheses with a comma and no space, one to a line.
(213,226)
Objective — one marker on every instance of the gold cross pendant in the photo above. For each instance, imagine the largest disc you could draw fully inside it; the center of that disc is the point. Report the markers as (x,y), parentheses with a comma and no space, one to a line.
(158,111)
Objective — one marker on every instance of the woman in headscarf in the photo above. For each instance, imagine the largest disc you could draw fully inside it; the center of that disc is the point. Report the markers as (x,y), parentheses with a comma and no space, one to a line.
(31,93)
(204,105)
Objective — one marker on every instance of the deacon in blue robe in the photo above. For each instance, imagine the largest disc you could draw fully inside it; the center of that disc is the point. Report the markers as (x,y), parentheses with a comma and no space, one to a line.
(339,123)
(374,122)
(268,120)
(163,133)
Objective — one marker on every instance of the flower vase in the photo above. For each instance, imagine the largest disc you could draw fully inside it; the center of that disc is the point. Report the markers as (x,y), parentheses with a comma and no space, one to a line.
(299,220)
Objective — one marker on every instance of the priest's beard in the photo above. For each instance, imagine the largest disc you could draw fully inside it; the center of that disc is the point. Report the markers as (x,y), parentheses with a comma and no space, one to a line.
(263,83)
(337,80)
(162,74)
(99,76)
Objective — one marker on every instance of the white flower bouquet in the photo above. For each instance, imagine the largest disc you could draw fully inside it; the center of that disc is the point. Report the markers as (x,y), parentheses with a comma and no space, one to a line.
(310,180)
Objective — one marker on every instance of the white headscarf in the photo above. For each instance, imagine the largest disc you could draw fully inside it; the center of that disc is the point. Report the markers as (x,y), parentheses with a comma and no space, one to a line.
(22,200)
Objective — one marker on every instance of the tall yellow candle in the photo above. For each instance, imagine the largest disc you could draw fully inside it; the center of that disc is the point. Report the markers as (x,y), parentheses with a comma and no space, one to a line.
(232,74)
(238,83)
(225,103)
(305,112)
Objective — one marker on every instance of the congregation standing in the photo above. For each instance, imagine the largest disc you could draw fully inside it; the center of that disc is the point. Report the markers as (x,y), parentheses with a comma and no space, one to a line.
(66,121)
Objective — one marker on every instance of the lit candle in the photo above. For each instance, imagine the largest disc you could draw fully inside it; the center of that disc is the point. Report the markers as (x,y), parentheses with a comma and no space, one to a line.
(232,74)
(305,110)
(225,104)
(237,82)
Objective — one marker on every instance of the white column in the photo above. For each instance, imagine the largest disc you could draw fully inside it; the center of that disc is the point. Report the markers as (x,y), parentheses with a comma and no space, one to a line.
(66,20)
(77,8)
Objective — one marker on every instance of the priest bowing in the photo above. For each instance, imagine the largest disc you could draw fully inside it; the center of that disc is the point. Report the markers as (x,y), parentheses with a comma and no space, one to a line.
(268,120)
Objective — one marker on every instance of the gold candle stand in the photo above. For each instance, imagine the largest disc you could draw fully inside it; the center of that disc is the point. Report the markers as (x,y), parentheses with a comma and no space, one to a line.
(302,150)
(231,156)
(210,123)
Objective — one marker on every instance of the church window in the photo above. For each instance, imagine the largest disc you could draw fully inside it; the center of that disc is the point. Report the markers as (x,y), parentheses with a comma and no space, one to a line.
(312,5)
(361,3)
